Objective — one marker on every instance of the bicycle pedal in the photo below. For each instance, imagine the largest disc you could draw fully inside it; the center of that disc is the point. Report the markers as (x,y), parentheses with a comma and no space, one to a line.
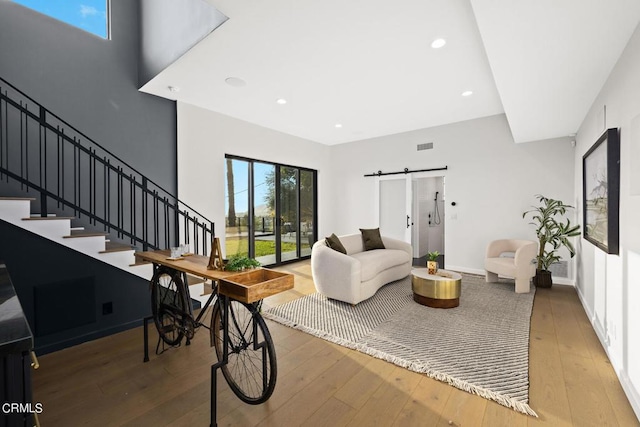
(189,331)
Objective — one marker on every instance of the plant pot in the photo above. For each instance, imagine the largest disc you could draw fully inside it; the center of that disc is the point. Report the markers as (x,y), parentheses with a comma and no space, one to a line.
(432,267)
(543,279)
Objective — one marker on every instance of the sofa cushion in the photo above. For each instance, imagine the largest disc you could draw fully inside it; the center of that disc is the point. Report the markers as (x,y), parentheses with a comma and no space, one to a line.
(334,243)
(352,243)
(371,239)
(377,260)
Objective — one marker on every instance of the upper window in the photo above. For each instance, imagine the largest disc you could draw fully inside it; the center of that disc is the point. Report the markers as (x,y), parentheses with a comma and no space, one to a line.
(89,15)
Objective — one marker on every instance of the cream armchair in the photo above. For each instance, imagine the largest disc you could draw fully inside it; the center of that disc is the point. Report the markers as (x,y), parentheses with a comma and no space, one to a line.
(520,266)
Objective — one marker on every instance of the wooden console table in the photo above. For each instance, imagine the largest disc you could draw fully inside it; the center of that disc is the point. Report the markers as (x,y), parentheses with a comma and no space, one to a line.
(245,291)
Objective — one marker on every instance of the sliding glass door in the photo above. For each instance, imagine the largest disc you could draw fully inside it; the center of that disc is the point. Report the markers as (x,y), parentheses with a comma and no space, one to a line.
(289,214)
(264,214)
(237,207)
(307,205)
(275,210)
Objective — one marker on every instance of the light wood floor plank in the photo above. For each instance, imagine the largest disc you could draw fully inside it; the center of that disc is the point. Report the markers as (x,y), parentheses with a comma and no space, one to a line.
(570,338)
(333,413)
(547,391)
(425,405)
(541,317)
(590,406)
(462,409)
(303,405)
(357,391)
(105,383)
(387,401)
(495,416)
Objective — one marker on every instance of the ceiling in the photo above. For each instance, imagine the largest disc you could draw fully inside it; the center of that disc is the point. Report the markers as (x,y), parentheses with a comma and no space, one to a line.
(369,66)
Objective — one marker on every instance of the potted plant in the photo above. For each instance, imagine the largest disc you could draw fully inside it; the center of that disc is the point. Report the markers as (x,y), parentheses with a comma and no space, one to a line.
(239,262)
(553,231)
(432,262)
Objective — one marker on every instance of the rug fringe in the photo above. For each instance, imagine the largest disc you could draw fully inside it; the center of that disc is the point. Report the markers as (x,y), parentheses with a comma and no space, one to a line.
(460,384)
(422,367)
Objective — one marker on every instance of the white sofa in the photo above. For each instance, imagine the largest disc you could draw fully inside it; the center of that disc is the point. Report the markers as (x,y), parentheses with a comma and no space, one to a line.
(356,276)
(520,266)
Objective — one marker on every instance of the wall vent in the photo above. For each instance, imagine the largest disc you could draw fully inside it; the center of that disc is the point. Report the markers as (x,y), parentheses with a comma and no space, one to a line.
(425,146)
(560,269)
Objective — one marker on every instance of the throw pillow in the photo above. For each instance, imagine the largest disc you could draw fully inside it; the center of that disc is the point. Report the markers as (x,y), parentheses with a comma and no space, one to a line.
(334,243)
(371,239)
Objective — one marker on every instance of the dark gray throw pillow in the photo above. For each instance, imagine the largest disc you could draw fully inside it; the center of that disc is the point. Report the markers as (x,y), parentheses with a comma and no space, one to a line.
(371,239)
(334,243)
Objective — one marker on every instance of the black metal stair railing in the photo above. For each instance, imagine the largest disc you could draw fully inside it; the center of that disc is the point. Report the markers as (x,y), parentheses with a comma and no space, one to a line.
(40,152)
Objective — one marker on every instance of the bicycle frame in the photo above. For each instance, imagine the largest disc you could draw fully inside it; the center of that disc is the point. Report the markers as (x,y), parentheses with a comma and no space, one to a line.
(184,321)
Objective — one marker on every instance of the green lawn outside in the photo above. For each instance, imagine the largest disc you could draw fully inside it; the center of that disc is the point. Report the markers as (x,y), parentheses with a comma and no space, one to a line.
(235,245)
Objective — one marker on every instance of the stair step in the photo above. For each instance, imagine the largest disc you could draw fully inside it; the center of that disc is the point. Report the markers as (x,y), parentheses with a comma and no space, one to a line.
(74,235)
(17,211)
(194,280)
(45,218)
(208,289)
(78,230)
(116,247)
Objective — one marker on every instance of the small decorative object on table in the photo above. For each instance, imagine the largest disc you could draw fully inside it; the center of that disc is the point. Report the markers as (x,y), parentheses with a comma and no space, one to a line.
(215,259)
(432,262)
(240,262)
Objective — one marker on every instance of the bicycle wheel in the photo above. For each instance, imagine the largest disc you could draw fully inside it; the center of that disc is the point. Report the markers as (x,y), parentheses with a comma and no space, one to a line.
(251,369)
(168,305)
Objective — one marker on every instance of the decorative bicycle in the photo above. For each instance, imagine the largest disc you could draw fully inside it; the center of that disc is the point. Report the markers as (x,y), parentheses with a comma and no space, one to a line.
(239,334)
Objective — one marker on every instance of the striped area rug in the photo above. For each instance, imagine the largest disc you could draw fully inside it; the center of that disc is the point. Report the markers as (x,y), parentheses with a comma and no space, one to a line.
(481,346)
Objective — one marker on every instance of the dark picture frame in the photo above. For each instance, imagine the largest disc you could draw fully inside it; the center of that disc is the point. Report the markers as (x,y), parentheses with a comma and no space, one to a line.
(601,192)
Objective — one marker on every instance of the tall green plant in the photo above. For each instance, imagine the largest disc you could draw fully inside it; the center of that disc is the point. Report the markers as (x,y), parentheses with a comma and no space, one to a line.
(552,229)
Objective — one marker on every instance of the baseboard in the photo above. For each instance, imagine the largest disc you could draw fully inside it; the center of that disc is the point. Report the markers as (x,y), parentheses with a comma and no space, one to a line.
(556,280)
(629,389)
(631,392)
(60,345)
(464,269)
(563,281)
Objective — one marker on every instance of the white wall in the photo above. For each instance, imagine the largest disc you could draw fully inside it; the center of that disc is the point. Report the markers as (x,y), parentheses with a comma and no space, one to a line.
(204,137)
(609,285)
(491,179)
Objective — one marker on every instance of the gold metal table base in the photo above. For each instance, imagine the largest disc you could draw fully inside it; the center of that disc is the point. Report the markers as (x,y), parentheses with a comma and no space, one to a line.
(440,290)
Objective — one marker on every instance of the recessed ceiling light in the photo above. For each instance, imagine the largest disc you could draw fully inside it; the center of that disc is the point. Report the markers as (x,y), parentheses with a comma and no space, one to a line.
(281,101)
(173,88)
(235,82)
(338,125)
(467,93)
(438,43)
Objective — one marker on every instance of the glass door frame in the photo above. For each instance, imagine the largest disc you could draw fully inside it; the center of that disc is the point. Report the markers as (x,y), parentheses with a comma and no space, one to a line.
(408,208)
(278,208)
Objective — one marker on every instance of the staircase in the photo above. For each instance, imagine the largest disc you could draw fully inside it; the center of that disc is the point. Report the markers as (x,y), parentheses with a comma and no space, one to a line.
(85,197)
(17,211)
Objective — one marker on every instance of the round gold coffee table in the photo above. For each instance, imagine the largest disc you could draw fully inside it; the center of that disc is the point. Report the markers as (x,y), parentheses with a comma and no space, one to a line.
(440,290)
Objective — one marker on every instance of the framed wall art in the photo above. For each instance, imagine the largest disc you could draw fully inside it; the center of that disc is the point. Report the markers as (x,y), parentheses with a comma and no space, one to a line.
(601,192)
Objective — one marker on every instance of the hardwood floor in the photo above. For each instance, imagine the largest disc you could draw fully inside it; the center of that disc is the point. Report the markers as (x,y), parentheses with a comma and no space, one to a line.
(105,383)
